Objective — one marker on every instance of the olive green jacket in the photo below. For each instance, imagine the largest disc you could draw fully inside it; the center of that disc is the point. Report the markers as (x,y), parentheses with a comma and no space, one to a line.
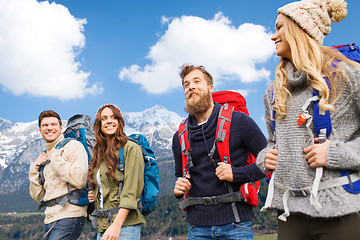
(131,191)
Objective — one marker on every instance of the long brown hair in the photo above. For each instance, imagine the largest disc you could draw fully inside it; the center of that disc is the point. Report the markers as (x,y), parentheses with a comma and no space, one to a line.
(106,147)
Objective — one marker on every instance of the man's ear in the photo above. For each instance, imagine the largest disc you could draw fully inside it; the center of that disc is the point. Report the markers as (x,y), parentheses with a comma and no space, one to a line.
(211,88)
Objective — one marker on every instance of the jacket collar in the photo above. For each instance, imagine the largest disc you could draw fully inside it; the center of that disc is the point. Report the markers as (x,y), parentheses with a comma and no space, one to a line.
(51,145)
(295,78)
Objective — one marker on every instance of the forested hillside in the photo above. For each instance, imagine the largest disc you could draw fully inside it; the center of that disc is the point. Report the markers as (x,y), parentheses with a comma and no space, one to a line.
(167,220)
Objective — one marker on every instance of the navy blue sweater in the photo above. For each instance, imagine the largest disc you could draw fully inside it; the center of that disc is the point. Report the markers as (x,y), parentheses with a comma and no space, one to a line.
(245,136)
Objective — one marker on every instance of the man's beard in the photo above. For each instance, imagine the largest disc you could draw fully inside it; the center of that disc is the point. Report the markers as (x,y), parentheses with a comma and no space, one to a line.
(200,105)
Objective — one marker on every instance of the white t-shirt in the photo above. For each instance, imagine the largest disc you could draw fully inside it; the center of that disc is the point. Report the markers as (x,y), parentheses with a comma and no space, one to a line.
(100,189)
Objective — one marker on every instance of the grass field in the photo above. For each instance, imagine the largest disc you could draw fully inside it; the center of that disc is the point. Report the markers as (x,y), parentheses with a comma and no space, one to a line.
(22,214)
(27,214)
(266,237)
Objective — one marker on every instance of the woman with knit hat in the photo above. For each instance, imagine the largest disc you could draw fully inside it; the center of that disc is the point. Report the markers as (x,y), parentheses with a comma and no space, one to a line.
(117,214)
(312,80)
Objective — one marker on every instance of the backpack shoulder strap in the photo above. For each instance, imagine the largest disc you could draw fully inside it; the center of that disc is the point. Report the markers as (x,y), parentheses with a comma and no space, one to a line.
(185,147)
(223,132)
(121,161)
(121,168)
(322,119)
(121,165)
(222,144)
(63,142)
(41,169)
(273,112)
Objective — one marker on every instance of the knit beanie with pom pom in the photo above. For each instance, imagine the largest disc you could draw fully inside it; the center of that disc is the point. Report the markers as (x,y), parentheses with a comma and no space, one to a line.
(315,16)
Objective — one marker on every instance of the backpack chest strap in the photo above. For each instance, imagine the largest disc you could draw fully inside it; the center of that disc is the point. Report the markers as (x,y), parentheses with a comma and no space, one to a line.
(309,191)
(213,200)
(102,213)
(71,197)
(57,201)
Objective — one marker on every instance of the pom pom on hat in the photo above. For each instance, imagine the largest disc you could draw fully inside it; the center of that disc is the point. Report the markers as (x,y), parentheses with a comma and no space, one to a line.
(315,16)
(337,10)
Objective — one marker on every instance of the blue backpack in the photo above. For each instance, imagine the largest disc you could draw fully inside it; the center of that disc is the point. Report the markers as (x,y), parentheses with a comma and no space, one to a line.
(148,199)
(79,128)
(322,122)
(351,51)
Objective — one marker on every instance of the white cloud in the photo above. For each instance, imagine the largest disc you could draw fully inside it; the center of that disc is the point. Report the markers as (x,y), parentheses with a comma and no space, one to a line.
(246,92)
(39,43)
(165,20)
(226,52)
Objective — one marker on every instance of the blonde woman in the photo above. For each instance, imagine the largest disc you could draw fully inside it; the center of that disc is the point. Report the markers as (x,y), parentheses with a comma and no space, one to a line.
(302,160)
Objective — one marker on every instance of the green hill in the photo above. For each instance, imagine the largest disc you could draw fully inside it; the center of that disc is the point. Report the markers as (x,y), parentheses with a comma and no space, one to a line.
(167,220)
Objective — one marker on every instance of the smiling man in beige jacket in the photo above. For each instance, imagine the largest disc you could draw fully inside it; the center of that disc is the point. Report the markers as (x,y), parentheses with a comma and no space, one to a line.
(64,170)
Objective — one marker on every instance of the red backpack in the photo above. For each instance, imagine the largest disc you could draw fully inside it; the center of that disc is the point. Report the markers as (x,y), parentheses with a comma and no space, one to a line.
(230,101)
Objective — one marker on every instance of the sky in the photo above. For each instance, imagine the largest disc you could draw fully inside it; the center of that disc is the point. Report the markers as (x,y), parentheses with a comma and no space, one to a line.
(74,56)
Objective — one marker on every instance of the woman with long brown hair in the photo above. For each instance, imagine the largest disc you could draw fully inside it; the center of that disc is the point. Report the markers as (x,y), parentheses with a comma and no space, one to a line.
(116,211)
(306,164)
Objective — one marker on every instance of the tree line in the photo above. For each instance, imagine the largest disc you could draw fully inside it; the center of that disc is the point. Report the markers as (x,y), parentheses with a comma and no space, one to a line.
(166,220)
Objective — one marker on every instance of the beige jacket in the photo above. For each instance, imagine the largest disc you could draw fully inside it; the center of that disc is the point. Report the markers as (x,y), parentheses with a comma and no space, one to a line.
(71,166)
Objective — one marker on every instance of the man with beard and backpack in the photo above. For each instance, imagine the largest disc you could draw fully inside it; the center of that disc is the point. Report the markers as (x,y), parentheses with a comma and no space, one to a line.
(209,183)
(56,175)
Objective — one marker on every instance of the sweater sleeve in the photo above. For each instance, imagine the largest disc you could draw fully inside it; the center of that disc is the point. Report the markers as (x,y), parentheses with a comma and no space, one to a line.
(133,176)
(253,140)
(177,155)
(72,164)
(344,150)
(36,190)
(260,160)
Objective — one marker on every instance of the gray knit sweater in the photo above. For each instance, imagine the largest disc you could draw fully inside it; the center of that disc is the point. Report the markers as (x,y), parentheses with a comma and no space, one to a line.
(292,169)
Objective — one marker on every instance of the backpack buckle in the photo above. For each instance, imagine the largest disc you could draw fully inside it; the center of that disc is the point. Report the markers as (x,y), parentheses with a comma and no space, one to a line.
(303,117)
(300,192)
(102,213)
(210,201)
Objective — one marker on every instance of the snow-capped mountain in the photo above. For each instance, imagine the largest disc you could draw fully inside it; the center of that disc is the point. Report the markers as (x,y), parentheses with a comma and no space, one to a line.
(21,143)
(157,124)
(14,138)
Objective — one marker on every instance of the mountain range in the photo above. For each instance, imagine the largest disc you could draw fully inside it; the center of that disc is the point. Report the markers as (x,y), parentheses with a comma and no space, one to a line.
(22,143)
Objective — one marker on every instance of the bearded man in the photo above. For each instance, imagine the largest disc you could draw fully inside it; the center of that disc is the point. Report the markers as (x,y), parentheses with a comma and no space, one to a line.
(208,177)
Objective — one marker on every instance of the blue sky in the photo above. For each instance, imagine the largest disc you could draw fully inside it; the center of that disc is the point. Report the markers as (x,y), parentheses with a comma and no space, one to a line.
(73,56)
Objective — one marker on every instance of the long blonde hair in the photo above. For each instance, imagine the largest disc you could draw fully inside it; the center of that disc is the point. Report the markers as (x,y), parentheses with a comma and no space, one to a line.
(315,60)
